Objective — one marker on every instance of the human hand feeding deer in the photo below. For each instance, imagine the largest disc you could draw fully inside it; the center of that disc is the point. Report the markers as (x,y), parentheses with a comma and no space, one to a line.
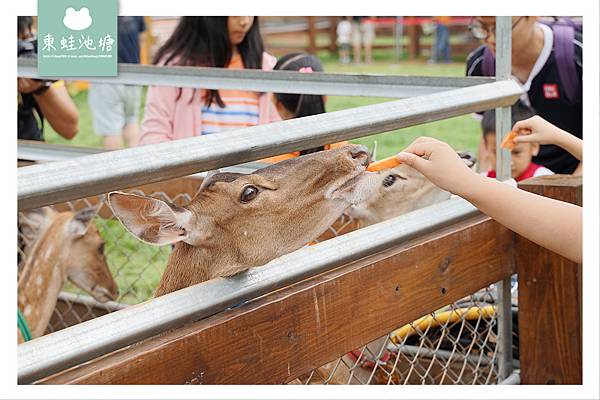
(538,130)
(527,214)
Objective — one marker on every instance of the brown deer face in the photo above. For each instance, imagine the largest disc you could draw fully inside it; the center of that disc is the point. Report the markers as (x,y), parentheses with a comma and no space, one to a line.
(400,190)
(86,264)
(254,218)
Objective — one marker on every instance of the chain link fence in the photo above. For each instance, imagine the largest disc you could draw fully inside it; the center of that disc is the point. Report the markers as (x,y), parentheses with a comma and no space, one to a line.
(453,345)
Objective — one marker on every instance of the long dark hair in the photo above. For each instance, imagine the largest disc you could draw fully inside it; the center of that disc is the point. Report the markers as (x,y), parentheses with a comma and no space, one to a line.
(204,41)
(301,105)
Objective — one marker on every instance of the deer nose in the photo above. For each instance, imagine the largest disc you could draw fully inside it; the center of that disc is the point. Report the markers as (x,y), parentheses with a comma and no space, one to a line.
(361,154)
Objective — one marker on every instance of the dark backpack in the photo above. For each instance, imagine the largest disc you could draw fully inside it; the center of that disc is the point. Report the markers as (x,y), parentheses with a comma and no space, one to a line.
(564,33)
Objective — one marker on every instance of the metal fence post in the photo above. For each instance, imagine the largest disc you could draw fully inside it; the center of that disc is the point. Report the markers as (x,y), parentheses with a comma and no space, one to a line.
(503,126)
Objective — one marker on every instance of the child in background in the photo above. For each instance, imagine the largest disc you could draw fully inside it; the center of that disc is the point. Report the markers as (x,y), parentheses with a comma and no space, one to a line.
(344,33)
(521,165)
(550,223)
(227,42)
(292,105)
(538,130)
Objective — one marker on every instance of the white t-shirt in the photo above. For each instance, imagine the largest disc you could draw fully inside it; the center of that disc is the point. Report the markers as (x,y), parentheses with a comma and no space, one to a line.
(344,31)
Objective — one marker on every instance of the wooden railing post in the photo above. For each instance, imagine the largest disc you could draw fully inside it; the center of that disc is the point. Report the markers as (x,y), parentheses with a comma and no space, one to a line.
(550,296)
(312,36)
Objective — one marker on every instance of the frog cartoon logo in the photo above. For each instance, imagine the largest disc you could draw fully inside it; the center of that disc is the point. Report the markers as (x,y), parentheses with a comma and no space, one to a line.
(77,20)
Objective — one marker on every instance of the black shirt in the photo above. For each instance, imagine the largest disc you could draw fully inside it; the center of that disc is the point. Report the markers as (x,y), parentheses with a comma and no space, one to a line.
(553,107)
(30,118)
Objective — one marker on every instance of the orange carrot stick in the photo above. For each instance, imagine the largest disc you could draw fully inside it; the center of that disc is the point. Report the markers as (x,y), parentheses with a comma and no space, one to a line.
(508,142)
(386,163)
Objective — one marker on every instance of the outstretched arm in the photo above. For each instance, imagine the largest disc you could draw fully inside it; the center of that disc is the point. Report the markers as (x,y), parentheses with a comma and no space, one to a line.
(552,224)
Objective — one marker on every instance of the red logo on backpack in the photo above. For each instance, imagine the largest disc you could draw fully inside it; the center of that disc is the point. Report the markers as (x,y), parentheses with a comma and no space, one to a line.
(551,91)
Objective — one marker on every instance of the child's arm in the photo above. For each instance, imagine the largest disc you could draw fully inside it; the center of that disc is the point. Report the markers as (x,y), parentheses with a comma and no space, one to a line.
(553,224)
(538,130)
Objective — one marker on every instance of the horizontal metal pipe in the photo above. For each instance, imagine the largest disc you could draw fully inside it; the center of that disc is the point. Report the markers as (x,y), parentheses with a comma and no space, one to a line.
(80,343)
(33,150)
(40,185)
(41,152)
(390,86)
(513,379)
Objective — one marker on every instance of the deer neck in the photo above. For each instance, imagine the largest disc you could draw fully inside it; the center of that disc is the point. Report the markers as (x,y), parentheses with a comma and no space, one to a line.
(428,195)
(42,279)
(188,265)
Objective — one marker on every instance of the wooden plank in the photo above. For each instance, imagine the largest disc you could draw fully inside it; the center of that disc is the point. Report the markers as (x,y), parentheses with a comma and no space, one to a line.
(413,32)
(312,36)
(333,21)
(550,299)
(290,332)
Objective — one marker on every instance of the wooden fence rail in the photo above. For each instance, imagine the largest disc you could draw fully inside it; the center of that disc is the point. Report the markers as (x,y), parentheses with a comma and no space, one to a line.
(288,333)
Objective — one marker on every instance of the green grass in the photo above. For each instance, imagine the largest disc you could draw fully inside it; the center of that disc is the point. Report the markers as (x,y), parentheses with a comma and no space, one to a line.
(137,267)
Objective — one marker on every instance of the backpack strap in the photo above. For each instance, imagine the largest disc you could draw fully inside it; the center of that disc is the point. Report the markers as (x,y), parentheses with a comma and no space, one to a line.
(488,64)
(564,53)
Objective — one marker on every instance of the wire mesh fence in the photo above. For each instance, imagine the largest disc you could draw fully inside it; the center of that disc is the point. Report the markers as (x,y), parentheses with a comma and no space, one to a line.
(453,345)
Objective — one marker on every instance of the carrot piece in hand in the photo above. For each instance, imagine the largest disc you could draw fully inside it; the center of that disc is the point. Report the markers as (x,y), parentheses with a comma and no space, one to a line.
(507,142)
(386,163)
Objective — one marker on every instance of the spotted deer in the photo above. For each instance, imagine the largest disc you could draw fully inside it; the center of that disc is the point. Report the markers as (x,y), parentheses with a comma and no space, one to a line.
(238,221)
(61,246)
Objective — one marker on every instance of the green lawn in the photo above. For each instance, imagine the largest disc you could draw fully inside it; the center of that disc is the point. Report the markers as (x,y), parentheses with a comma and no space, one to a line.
(137,267)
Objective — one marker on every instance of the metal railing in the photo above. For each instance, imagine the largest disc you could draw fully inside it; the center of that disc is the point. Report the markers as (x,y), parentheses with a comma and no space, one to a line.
(40,185)
(274,81)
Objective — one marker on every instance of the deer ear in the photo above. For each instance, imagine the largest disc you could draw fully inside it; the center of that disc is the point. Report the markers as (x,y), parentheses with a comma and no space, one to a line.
(82,220)
(151,220)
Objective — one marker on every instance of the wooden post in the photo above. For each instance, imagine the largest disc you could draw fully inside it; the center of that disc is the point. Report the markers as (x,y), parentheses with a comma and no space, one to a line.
(413,31)
(333,35)
(312,36)
(550,313)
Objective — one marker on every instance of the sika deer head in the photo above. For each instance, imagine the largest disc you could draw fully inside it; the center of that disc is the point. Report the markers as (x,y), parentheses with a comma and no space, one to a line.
(85,262)
(238,221)
(401,189)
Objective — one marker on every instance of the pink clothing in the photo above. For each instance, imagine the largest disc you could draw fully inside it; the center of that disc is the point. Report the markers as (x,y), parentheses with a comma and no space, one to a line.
(168,119)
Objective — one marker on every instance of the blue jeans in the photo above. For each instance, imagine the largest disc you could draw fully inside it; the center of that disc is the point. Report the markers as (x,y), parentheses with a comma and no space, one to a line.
(442,44)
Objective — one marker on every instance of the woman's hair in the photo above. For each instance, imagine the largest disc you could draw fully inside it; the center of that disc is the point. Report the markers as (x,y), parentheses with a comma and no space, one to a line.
(204,41)
(24,25)
(518,112)
(301,105)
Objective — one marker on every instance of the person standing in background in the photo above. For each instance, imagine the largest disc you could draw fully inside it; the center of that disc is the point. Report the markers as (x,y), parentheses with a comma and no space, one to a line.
(547,63)
(363,34)
(115,108)
(41,99)
(344,33)
(441,51)
(232,42)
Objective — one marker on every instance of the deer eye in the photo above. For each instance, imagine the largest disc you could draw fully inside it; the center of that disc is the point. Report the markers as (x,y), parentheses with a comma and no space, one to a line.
(390,179)
(249,193)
